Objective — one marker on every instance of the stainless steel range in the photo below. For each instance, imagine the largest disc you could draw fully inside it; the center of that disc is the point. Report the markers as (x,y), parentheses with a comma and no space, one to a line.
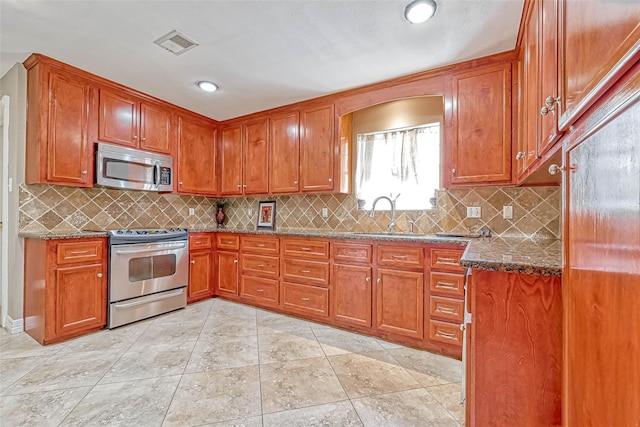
(148,273)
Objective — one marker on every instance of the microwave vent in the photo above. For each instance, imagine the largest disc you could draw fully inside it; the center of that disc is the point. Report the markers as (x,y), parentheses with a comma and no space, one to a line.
(176,42)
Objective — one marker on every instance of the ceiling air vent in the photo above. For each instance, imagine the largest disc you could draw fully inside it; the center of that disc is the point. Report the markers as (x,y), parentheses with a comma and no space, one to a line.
(176,42)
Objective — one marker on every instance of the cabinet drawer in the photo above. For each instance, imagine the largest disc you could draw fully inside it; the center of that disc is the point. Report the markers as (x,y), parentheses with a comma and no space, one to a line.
(305,248)
(228,241)
(305,299)
(262,291)
(304,271)
(446,308)
(69,253)
(352,252)
(260,265)
(398,256)
(200,241)
(449,333)
(447,284)
(447,259)
(260,245)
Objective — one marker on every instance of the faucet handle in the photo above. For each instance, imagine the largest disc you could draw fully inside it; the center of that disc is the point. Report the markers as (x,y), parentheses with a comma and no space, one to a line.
(392,198)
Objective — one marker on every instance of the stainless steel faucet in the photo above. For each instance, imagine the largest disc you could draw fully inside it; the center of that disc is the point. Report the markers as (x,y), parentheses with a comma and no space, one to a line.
(392,202)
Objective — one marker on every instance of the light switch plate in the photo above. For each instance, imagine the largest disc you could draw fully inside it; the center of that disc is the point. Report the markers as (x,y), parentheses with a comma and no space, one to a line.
(507,212)
(192,211)
(325,213)
(474,212)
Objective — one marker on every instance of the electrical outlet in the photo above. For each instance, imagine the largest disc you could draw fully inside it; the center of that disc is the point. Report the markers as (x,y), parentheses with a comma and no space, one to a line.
(507,212)
(192,211)
(249,212)
(325,213)
(474,212)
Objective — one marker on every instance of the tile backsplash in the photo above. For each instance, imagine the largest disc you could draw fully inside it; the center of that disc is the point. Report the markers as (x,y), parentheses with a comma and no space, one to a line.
(48,208)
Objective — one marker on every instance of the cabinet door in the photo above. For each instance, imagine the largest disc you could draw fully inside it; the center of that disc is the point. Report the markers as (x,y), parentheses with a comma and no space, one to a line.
(481,143)
(531,107)
(81,298)
(200,275)
(118,122)
(317,149)
(285,152)
(256,157)
(400,302)
(69,152)
(155,128)
(351,295)
(231,161)
(598,43)
(227,277)
(548,75)
(196,156)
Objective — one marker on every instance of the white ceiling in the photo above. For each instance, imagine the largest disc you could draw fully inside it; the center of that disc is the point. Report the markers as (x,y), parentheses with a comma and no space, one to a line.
(263,54)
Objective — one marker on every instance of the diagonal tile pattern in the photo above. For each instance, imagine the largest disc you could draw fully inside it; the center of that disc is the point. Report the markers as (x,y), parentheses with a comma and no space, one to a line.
(224,364)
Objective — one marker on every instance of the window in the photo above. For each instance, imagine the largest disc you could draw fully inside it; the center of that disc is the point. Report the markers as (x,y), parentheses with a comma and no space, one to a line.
(402,161)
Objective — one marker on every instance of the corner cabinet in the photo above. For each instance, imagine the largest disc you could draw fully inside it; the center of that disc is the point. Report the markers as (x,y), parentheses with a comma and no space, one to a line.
(65,288)
(196,172)
(62,106)
(480,149)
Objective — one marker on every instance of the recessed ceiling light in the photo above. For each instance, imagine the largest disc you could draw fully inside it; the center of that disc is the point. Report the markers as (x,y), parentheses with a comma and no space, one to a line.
(207,86)
(419,11)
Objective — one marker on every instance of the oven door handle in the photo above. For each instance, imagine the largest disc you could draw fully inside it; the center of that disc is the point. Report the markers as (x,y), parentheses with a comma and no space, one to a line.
(133,304)
(156,174)
(158,247)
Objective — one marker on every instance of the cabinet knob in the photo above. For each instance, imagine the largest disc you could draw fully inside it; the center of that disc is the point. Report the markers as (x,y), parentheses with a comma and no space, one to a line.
(550,100)
(378,280)
(520,155)
(554,169)
(330,179)
(367,279)
(239,186)
(193,261)
(295,182)
(99,274)
(235,261)
(144,139)
(180,183)
(244,185)
(84,172)
(453,171)
(135,136)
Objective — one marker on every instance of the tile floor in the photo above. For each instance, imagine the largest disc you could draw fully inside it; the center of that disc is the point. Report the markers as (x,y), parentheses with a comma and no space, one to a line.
(217,363)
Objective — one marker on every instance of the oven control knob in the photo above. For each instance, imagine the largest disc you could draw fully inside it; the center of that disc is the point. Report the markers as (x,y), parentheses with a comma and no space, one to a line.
(99,274)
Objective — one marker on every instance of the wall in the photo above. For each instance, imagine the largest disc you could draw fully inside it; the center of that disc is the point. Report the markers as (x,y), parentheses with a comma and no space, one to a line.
(398,114)
(14,84)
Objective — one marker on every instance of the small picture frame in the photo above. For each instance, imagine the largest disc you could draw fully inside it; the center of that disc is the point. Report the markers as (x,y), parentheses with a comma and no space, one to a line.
(267,215)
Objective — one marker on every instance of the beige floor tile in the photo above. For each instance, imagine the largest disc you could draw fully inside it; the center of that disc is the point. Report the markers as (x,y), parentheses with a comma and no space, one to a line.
(271,323)
(294,345)
(243,422)
(22,345)
(13,369)
(150,362)
(120,338)
(372,373)
(428,368)
(298,383)
(62,371)
(405,408)
(211,353)
(335,341)
(131,403)
(338,414)
(215,396)
(449,396)
(46,408)
(229,326)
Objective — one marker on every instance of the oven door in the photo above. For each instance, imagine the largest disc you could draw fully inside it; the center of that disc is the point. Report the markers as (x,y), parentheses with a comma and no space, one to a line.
(146,268)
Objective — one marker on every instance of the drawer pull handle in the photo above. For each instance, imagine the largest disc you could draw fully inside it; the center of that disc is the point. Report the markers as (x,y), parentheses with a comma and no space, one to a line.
(305,299)
(446,310)
(305,271)
(86,251)
(447,335)
(260,290)
(447,261)
(400,256)
(228,242)
(260,265)
(447,285)
(260,245)
(198,242)
(305,248)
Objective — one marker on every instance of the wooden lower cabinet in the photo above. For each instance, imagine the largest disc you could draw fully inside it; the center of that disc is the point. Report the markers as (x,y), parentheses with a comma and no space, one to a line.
(227,275)
(399,302)
(305,299)
(351,295)
(259,290)
(65,288)
(200,276)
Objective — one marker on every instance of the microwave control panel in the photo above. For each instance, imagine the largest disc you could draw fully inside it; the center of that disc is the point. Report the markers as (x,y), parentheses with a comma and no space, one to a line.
(165,175)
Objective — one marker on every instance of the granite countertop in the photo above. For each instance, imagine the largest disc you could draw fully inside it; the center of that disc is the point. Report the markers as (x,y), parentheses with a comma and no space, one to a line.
(508,254)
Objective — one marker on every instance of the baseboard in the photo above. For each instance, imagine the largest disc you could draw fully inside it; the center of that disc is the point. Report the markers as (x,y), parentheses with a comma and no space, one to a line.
(14,326)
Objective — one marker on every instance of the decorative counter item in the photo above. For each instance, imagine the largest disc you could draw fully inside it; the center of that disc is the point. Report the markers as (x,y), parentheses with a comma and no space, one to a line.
(220,215)
(266,215)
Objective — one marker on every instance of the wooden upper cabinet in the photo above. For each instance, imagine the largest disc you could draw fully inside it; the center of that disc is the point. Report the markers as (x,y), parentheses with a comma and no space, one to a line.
(548,75)
(255,149)
(230,153)
(284,174)
(598,43)
(61,109)
(530,108)
(481,143)
(127,120)
(317,149)
(196,156)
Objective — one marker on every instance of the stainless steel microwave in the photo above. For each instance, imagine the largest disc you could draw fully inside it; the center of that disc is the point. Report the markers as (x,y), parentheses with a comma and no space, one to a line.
(121,167)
